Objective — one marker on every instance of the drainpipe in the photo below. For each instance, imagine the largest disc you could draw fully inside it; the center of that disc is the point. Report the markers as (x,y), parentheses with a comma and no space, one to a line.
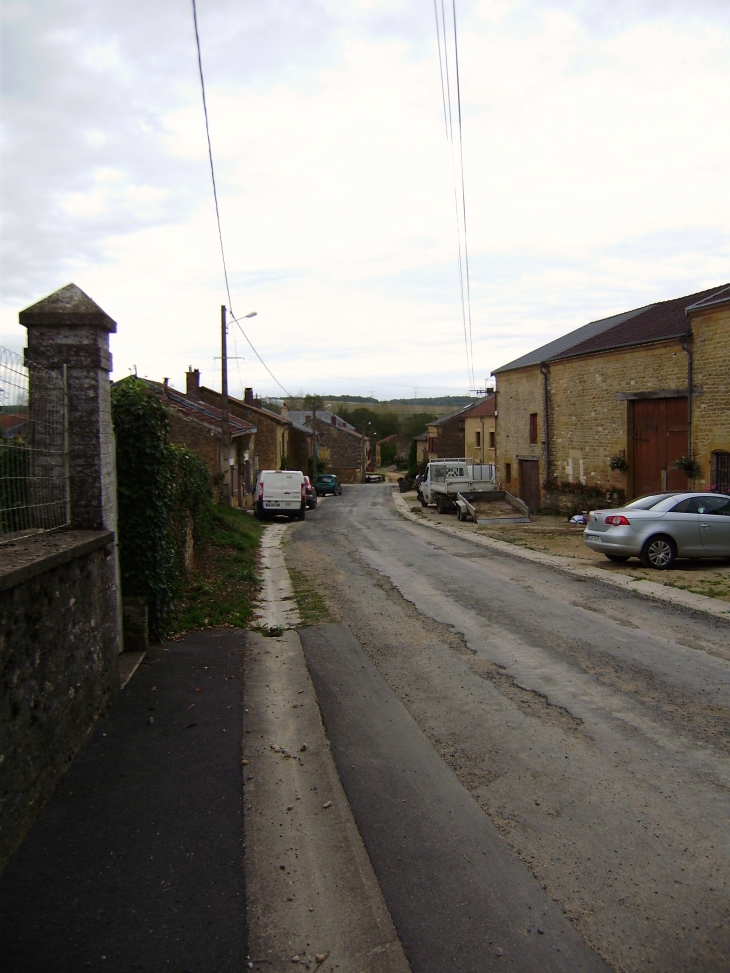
(544,371)
(688,353)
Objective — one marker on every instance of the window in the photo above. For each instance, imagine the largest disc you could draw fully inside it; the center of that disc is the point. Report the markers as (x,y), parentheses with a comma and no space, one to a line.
(721,471)
(533,427)
(432,444)
(479,438)
(507,472)
(491,440)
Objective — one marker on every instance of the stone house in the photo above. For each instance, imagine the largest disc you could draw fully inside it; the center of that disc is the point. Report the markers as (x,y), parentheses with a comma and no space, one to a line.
(637,391)
(198,426)
(402,446)
(480,431)
(343,449)
(272,446)
(446,437)
(422,449)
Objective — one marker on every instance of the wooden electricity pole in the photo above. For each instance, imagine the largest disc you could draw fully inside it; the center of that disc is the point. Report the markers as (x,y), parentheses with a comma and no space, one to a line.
(225,428)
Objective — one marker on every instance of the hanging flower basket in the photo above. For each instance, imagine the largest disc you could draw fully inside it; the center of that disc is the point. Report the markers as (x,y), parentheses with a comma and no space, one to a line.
(618,463)
(689,466)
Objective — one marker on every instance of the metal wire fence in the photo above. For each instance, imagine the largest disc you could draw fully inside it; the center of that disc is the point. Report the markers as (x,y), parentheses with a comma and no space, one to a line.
(34,470)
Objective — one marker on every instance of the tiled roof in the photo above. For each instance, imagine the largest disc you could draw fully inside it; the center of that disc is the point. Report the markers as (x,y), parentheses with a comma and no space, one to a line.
(654,322)
(451,415)
(658,322)
(483,408)
(553,348)
(714,300)
(324,416)
(199,410)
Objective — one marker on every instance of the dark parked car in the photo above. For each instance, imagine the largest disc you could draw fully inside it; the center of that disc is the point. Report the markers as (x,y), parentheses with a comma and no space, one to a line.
(310,493)
(328,483)
(662,527)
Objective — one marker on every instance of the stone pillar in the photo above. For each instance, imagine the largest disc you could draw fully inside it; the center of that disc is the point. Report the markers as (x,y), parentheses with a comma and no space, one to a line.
(68,328)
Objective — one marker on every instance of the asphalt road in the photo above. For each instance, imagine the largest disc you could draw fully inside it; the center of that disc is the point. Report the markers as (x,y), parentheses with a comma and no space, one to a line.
(555,743)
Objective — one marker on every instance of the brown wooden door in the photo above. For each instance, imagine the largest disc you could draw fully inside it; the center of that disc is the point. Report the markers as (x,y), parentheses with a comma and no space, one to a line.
(660,438)
(530,483)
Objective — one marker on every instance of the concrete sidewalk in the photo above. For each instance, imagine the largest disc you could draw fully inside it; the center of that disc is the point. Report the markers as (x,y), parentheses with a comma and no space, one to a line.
(136,863)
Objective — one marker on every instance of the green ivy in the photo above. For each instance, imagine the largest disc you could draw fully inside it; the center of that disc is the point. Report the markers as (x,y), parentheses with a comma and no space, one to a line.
(160,488)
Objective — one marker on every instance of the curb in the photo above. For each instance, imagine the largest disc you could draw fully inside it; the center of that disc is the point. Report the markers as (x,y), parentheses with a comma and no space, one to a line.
(312,897)
(649,589)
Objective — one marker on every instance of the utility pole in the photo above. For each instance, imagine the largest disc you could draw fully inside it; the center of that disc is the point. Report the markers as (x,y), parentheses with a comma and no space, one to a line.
(225,428)
(362,455)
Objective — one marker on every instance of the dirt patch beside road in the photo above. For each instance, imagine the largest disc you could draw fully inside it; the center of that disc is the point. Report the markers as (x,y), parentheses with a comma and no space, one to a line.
(553,535)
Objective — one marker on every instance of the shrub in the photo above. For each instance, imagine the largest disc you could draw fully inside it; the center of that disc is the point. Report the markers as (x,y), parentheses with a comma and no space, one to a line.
(160,488)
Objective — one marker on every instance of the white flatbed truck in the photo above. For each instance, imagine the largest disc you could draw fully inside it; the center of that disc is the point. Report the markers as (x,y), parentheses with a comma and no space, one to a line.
(445,478)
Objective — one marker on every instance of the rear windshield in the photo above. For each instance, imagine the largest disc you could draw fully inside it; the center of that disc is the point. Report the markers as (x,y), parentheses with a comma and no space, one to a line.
(646,503)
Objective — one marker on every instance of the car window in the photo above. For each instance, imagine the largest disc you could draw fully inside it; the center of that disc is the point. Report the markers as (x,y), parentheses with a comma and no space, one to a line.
(686,506)
(646,503)
(713,505)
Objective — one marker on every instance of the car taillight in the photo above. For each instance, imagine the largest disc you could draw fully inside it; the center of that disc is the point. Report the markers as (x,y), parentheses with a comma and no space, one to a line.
(261,490)
(304,491)
(618,520)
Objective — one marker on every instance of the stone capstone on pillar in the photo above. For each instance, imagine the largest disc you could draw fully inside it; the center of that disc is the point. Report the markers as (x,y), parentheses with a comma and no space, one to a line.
(68,329)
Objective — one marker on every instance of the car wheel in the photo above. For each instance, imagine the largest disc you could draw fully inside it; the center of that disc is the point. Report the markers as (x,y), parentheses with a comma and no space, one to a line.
(659,552)
(301,515)
(617,557)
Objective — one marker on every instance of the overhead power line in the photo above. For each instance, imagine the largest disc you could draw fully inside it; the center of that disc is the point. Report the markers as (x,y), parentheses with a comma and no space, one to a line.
(215,197)
(446,38)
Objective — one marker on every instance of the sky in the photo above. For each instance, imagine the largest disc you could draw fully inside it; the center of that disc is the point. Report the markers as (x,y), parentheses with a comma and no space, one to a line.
(595,154)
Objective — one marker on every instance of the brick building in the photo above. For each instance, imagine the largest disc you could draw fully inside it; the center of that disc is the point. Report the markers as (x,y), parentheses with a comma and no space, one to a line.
(643,388)
(339,445)
(197,426)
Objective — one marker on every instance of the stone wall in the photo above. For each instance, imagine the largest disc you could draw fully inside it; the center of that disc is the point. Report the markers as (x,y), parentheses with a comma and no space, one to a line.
(711,410)
(519,393)
(342,451)
(588,424)
(59,655)
(272,432)
(300,449)
(483,425)
(451,438)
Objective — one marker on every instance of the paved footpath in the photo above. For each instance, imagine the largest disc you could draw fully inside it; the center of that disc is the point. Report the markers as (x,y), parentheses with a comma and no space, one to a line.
(136,862)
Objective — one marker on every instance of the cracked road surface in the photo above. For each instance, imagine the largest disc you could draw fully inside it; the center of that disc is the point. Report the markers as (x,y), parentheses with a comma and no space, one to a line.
(559,727)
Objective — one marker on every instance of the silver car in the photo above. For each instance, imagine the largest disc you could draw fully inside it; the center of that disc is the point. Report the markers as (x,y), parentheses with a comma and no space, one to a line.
(662,527)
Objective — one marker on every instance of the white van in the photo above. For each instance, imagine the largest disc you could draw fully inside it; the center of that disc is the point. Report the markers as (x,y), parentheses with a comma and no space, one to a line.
(280,492)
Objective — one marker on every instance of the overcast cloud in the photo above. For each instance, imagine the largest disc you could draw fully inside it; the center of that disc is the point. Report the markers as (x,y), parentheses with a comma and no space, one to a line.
(596,161)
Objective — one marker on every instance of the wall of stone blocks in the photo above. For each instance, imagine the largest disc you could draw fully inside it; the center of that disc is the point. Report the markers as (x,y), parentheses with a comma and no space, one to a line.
(483,453)
(344,451)
(711,418)
(588,425)
(58,664)
(300,448)
(519,393)
(196,437)
(451,441)
(271,433)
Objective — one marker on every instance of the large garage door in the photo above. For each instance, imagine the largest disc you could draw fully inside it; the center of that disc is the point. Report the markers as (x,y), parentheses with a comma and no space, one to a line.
(660,438)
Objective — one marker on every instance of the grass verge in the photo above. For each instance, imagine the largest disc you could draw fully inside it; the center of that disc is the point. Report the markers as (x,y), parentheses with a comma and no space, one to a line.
(221,588)
(312,608)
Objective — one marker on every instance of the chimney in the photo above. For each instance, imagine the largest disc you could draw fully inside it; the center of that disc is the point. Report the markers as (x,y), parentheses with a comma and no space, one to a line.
(192,383)
(284,410)
(257,402)
(248,396)
(333,419)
